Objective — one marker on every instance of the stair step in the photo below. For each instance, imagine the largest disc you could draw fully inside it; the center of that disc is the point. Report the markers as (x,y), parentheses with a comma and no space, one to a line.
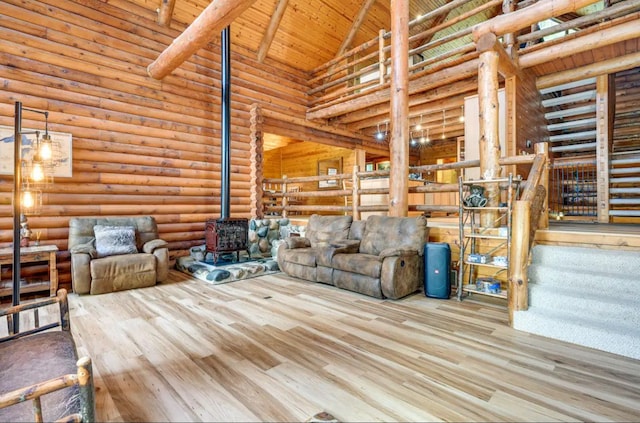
(607,278)
(579,258)
(613,337)
(608,303)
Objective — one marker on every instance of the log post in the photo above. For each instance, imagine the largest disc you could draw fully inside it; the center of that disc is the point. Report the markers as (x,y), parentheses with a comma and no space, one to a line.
(399,144)
(165,12)
(542,148)
(256,170)
(216,16)
(509,6)
(519,253)
(489,135)
(381,67)
(86,390)
(604,142)
(285,198)
(355,199)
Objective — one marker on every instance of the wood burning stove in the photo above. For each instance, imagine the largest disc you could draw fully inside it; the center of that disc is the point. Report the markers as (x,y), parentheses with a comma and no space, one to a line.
(226,235)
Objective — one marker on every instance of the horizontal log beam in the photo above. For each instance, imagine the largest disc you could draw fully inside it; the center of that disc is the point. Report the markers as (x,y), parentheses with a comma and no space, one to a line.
(525,17)
(605,37)
(599,68)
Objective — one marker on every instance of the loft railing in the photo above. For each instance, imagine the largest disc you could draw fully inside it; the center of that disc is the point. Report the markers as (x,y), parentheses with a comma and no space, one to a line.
(448,43)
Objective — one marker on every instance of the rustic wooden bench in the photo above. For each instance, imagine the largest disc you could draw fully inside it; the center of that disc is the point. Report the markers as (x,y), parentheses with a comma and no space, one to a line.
(41,365)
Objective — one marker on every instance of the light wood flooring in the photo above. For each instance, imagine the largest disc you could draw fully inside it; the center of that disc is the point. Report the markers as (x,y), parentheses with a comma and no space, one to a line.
(279,349)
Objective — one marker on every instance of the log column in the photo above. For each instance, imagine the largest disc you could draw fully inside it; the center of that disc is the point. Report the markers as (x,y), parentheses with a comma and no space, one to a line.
(605,111)
(256,172)
(399,144)
(489,136)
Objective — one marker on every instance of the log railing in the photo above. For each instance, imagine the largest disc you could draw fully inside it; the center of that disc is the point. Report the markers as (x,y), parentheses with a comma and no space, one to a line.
(365,68)
(526,215)
(275,201)
(346,76)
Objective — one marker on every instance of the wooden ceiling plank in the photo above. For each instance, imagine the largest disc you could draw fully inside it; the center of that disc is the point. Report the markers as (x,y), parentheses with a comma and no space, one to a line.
(216,16)
(357,22)
(437,21)
(165,12)
(270,33)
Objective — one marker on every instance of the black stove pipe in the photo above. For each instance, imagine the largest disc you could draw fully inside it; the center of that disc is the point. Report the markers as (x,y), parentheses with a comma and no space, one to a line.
(225,142)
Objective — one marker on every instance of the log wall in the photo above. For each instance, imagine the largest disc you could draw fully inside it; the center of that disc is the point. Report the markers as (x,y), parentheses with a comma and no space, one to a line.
(140,146)
(301,159)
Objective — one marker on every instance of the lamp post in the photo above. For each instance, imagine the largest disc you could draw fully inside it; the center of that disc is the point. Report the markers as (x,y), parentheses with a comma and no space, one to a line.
(40,170)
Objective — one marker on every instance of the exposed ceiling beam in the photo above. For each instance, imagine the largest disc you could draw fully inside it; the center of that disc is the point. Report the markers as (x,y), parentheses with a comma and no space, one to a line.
(357,23)
(216,16)
(278,13)
(165,12)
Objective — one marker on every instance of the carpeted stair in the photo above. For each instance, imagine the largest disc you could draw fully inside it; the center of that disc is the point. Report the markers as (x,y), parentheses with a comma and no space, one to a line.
(585,296)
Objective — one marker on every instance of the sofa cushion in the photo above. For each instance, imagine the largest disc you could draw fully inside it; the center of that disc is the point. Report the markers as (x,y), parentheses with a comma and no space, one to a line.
(357,229)
(114,240)
(363,264)
(115,273)
(323,230)
(382,232)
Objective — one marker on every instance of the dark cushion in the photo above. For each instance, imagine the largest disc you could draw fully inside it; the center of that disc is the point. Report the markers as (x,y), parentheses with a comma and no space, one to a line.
(382,232)
(324,230)
(363,264)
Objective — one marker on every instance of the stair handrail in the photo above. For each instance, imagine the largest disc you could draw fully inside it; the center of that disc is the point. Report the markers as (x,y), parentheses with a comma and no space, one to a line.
(526,214)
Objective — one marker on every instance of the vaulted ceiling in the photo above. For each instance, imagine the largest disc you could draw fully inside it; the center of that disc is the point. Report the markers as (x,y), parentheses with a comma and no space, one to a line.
(311,32)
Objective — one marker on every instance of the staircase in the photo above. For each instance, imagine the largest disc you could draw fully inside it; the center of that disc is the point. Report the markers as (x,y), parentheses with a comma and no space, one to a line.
(585,296)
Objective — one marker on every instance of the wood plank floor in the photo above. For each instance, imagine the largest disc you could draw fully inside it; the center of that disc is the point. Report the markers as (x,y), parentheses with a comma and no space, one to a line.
(279,349)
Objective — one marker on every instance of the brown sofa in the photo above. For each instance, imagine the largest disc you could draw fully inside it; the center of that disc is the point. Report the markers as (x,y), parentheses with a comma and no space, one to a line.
(115,253)
(380,257)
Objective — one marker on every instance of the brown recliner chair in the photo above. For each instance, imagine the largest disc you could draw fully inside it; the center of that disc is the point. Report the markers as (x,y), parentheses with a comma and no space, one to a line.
(126,254)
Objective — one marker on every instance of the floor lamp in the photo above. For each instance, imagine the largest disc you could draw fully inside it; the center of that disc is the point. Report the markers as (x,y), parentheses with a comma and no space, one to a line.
(30,175)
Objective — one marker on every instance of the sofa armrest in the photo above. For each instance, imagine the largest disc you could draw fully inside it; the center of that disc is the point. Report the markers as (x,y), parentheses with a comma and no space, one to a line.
(81,272)
(324,255)
(297,242)
(150,246)
(397,252)
(346,246)
(86,248)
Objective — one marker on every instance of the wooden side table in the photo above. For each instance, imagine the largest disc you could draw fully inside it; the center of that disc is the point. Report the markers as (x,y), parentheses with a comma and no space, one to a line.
(34,254)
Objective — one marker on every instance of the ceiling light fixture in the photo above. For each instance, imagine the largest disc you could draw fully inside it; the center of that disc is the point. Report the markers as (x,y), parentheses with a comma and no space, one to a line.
(444,125)
(462,113)
(381,135)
